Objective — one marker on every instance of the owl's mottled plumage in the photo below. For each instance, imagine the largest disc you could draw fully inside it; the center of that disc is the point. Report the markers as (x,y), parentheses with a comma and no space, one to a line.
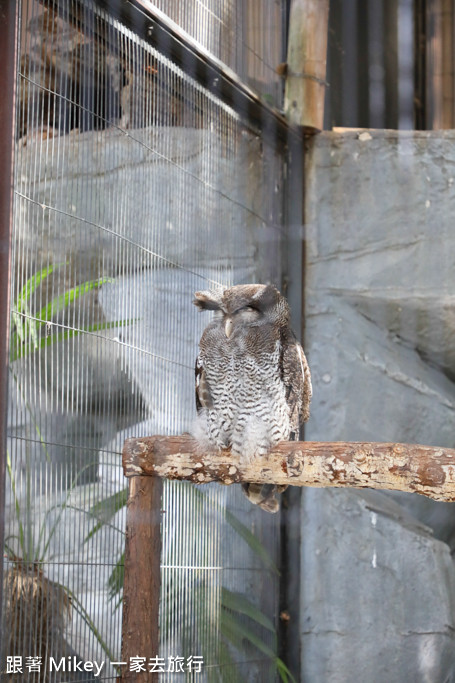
(253,383)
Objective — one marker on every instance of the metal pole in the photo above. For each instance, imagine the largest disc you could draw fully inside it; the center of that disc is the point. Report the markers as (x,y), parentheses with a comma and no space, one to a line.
(421,118)
(8,23)
(391,63)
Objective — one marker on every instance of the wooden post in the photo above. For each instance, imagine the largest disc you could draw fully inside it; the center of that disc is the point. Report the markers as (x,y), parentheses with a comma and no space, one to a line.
(141,587)
(428,470)
(306,63)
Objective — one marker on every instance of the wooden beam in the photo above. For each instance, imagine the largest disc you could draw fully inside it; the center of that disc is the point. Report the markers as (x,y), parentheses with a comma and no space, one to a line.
(396,466)
(307,63)
(441,58)
(141,584)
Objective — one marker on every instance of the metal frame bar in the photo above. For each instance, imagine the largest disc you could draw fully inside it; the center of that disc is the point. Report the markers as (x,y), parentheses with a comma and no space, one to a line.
(8,24)
(153,26)
(420,65)
(294,287)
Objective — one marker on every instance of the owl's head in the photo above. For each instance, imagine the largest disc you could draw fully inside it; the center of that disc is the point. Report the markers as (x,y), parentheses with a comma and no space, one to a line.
(245,306)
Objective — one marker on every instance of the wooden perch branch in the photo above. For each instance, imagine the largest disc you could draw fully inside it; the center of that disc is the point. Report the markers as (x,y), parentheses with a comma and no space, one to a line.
(401,467)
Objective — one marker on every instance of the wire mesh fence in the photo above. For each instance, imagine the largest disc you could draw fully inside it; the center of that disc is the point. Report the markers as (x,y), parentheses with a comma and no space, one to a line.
(248,37)
(134,187)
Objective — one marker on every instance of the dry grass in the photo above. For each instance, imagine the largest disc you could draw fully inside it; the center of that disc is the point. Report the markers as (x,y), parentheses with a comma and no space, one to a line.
(35,613)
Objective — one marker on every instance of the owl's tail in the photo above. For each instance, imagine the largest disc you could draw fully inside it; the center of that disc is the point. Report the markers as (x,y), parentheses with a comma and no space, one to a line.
(263,495)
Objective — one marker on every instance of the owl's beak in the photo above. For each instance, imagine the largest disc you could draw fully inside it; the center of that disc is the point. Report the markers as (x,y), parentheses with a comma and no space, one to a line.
(228,325)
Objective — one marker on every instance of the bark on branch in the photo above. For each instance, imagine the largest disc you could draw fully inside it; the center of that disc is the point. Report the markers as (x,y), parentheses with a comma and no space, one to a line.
(401,467)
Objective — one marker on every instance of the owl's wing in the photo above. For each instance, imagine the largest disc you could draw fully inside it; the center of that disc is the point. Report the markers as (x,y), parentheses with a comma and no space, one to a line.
(203,395)
(297,380)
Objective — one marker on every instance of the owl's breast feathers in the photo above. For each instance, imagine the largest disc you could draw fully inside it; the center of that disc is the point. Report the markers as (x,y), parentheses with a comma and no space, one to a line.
(259,360)
(253,383)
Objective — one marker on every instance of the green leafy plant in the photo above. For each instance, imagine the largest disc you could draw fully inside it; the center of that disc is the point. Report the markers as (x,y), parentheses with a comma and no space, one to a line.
(240,621)
(26,335)
(32,598)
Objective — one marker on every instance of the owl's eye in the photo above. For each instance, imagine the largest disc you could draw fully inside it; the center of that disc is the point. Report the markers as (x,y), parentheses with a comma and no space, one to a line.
(247,309)
(248,313)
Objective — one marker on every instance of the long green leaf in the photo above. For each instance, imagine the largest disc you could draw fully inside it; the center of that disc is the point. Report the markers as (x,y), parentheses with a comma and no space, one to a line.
(30,410)
(61,508)
(105,509)
(115,580)
(79,607)
(8,548)
(284,672)
(9,467)
(33,282)
(69,334)
(251,540)
(239,603)
(227,666)
(233,625)
(25,327)
(20,305)
(64,300)
(235,631)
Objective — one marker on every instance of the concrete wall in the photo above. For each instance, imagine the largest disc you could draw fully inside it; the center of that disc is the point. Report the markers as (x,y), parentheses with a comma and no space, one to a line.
(378,587)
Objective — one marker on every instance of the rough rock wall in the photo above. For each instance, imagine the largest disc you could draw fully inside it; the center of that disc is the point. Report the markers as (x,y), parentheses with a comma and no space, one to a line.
(377,589)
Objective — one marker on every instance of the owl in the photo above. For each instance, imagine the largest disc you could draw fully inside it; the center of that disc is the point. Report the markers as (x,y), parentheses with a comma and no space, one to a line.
(253,383)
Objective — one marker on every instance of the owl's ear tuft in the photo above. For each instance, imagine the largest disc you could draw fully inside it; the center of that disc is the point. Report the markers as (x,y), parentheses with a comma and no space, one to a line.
(208,300)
